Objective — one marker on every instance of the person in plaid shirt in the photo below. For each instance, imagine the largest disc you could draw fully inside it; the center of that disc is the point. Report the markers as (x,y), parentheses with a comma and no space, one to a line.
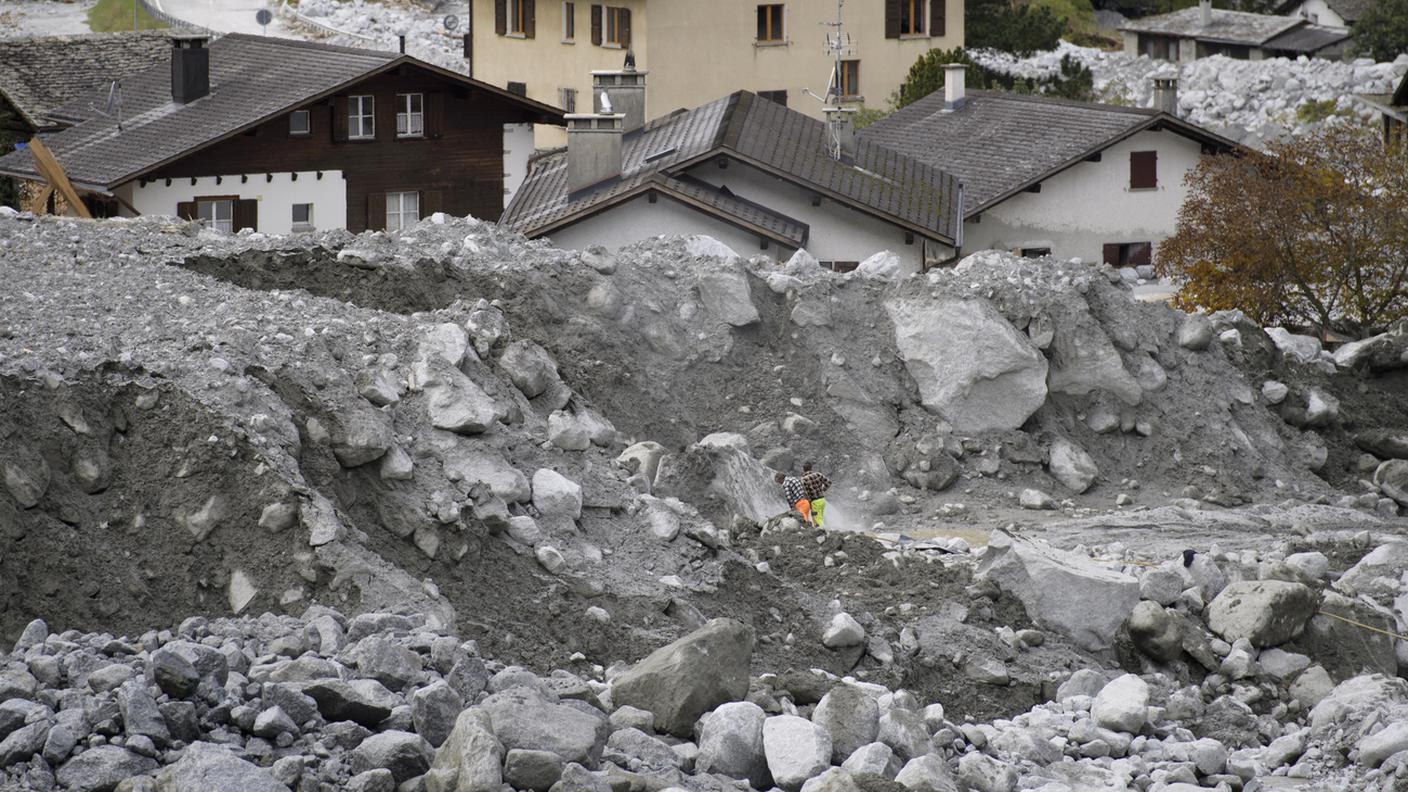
(795,495)
(814,487)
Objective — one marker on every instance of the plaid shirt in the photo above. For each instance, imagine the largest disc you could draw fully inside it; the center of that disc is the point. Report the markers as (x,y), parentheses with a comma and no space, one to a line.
(815,485)
(792,490)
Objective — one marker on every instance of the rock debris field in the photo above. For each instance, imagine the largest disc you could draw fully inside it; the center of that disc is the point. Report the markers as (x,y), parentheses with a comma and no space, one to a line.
(449,510)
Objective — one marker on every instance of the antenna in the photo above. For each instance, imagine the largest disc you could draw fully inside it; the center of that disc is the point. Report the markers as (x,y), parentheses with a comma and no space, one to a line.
(838,45)
(112,108)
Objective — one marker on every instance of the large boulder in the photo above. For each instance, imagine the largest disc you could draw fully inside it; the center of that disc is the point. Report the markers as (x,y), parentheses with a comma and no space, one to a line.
(852,718)
(731,743)
(1084,361)
(1155,632)
(928,773)
(1300,348)
(1122,705)
(1265,612)
(457,404)
(214,768)
(1061,591)
(101,769)
(796,750)
(1071,465)
(521,717)
(405,754)
(1384,443)
(972,366)
(725,295)
(471,758)
(1376,574)
(683,680)
(1392,480)
(529,367)
(476,466)
(554,494)
(365,701)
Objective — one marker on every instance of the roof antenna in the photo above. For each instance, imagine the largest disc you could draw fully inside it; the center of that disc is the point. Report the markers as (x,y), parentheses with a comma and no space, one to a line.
(112,108)
(838,45)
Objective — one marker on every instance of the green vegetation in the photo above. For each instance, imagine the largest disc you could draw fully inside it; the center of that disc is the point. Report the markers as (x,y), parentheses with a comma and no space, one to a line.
(1019,29)
(1313,111)
(926,76)
(1382,33)
(866,116)
(113,15)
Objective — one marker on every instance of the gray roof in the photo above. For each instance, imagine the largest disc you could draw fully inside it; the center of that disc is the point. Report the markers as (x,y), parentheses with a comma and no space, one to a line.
(38,75)
(252,79)
(1307,39)
(1231,27)
(765,134)
(999,144)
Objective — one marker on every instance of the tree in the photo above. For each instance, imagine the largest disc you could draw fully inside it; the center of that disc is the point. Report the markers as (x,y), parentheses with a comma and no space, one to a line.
(1382,33)
(1002,25)
(1074,81)
(1311,232)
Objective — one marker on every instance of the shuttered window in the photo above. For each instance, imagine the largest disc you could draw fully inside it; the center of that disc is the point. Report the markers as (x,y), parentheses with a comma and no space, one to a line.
(1128,254)
(848,79)
(521,15)
(774,96)
(596,24)
(937,19)
(361,117)
(911,17)
(410,115)
(402,210)
(892,18)
(1143,170)
(217,213)
(770,18)
(569,21)
(617,27)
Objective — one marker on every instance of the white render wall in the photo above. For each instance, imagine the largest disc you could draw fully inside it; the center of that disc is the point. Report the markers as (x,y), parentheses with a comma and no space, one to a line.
(276,198)
(1090,204)
(639,219)
(518,147)
(1323,14)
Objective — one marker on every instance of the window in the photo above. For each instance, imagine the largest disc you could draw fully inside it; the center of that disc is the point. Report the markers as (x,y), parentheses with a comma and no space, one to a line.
(1128,254)
(770,23)
(410,115)
(567,99)
(299,123)
(303,217)
(840,266)
(1143,170)
(517,88)
(912,17)
(618,27)
(402,210)
(520,12)
(848,80)
(361,117)
(569,21)
(1035,252)
(219,214)
(1158,47)
(774,96)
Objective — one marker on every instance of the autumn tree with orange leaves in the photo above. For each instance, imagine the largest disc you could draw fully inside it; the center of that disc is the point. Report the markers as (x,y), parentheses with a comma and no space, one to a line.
(1312,232)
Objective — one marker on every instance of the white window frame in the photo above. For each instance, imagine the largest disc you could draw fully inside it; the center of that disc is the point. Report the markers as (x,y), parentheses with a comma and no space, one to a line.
(402,210)
(214,218)
(781,39)
(569,22)
(410,122)
(307,117)
(361,117)
(305,224)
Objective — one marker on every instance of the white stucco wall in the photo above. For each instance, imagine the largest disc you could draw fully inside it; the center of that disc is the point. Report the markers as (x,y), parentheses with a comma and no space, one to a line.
(639,219)
(518,147)
(1090,204)
(276,197)
(1318,12)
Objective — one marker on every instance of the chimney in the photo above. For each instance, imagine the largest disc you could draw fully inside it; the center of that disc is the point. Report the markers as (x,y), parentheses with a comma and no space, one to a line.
(955,92)
(190,67)
(625,89)
(1166,94)
(593,148)
(840,123)
(1205,12)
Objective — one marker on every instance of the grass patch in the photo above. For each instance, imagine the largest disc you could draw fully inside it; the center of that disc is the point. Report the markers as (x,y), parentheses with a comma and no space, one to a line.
(114,15)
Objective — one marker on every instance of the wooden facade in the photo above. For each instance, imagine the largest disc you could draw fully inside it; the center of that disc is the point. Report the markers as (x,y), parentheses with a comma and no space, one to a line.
(457,166)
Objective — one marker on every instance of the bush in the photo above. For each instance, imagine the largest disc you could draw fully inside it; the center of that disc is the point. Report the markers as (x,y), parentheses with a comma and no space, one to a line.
(866,116)
(1313,111)
(926,76)
(997,24)
(1382,33)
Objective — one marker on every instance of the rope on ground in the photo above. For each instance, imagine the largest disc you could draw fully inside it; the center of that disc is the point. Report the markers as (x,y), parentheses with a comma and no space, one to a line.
(1368,627)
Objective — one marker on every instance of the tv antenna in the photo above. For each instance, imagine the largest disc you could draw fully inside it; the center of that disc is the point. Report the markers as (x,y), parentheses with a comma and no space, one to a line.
(839,44)
(112,108)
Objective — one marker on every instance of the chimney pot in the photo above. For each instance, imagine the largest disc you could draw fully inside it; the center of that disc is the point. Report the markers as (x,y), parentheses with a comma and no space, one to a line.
(593,148)
(955,88)
(625,89)
(1166,94)
(190,68)
(1205,12)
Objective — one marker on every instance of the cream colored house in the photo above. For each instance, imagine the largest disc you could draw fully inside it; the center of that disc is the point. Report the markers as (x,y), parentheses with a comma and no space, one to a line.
(698,50)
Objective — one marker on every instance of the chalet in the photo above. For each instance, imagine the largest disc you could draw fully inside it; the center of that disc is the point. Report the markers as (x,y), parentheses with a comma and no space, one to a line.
(1329,13)
(746,170)
(1202,30)
(39,75)
(1393,108)
(278,136)
(1050,176)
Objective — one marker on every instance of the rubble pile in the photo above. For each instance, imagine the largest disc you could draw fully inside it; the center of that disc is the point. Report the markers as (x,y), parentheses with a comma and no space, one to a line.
(1251,102)
(493,498)
(359,23)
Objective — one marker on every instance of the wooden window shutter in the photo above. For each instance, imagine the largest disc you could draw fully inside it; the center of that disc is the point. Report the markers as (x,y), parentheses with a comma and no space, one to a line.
(530,25)
(186,210)
(626,28)
(1140,254)
(1143,170)
(892,19)
(339,119)
(1111,253)
(246,214)
(434,114)
(937,18)
(596,25)
(376,211)
(501,17)
(431,201)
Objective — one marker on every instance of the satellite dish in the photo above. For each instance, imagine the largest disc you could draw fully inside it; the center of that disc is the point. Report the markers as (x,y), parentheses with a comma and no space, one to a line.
(263,16)
(451,22)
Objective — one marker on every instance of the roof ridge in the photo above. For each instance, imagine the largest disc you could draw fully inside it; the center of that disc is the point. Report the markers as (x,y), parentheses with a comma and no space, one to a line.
(315,45)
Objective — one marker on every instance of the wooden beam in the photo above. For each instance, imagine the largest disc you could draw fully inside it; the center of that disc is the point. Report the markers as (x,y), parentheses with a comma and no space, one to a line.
(53,173)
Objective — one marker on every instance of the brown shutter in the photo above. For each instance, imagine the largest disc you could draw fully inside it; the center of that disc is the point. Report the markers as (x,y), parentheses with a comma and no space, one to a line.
(626,28)
(1143,170)
(339,119)
(501,16)
(530,25)
(892,19)
(431,201)
(596,25)
(937,17)
(1140,254)
(1111,253)
(434,114)
(186,210)
(246,214)
(376,212)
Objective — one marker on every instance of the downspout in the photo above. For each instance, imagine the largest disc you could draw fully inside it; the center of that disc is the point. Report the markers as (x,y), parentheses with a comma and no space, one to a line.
(958,238)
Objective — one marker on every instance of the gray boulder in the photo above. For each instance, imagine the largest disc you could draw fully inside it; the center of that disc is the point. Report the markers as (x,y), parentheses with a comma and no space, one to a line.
(1154,632)
(174,674)
(904,731)
(851,717)
(927,773)
(681,681)
(1375,748)
(23,743)
(1195,332)
(876,759)
(529,367)
(364,701)
(140,713)
(726,296)
(1071,465)
(378,780)
(470,759)
(731,743)
(405,754)
(637,751)
(1122,705)
(556,495)
(576,778)
(101,769)
(534,770)
(836,779)
(388,662)
(214,768)
(521,717)
(456,403)
(796,750)
(979,772)
(1377,573)
(1265,612)
(434,710)
(1384,443)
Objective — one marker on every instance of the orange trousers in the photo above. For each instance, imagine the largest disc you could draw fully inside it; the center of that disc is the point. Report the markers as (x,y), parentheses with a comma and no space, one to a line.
(804,506)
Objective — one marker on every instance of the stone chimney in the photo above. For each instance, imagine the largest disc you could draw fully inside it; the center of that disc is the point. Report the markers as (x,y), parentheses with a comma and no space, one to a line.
(1166,93)
(593,148)
(955,88)
(1205,12)
(190,67)
(840,123)
(625,89)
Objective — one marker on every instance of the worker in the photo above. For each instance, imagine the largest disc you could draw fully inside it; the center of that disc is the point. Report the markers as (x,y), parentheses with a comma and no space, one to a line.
(814,487)
(796,497)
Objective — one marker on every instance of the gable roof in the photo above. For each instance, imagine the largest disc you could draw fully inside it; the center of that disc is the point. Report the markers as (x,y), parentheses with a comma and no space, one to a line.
(38,75)
(1306,39)
(766,135)
(1394,105)
(1228,27)
(999,144)
(252,79)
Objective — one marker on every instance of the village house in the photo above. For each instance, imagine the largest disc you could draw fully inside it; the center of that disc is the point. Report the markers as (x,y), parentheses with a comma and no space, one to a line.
(547,49)
(1393,109)
(1329,13)
(1044,176)
(280,136)
(1202,30)
(754,174)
